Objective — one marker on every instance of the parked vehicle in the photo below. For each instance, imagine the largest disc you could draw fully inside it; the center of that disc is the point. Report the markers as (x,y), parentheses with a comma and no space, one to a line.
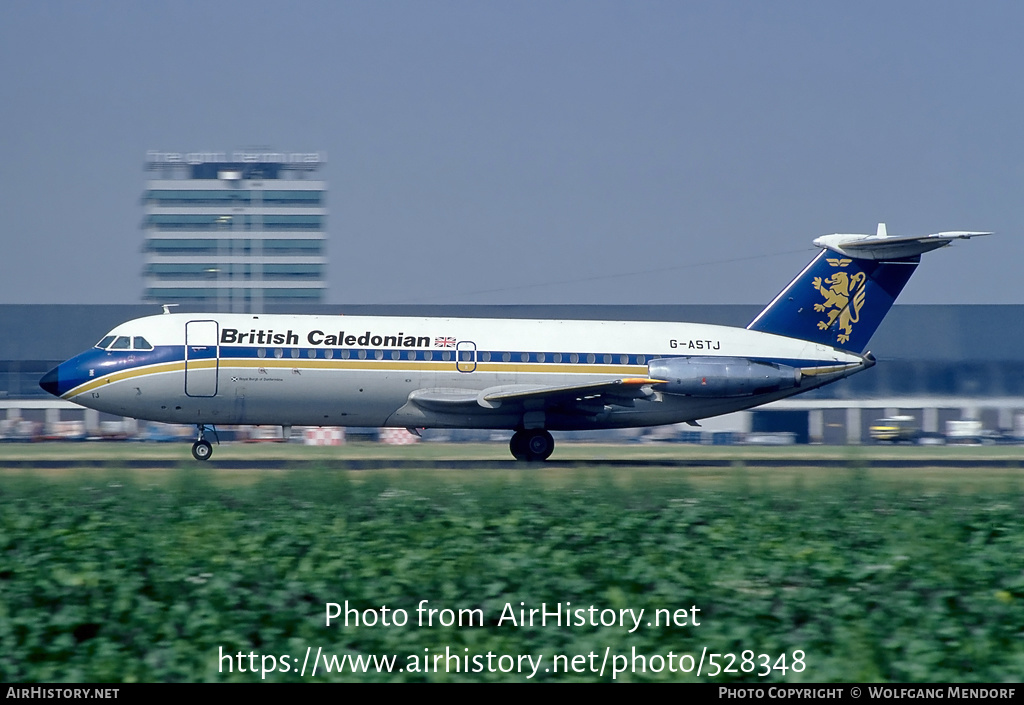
(895,429)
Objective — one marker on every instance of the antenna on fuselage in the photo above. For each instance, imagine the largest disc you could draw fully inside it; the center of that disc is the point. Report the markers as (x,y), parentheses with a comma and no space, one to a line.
(167,307)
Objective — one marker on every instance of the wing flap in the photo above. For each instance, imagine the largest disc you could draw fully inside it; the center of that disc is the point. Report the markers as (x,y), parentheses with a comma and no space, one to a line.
(627,387)
(583,397)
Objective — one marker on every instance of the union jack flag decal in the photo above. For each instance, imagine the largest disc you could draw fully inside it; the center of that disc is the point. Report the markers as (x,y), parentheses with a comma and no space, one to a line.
(444,342)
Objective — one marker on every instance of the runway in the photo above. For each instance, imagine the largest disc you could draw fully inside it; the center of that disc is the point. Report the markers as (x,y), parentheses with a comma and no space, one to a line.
(367,464)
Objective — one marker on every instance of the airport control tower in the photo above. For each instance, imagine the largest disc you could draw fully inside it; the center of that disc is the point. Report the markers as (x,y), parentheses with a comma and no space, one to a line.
(234,231)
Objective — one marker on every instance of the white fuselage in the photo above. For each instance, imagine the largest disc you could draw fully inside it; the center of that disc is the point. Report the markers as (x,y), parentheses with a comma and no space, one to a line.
(367,371)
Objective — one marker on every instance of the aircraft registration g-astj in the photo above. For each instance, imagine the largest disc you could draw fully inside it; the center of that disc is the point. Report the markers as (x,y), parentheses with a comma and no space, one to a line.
(527,376)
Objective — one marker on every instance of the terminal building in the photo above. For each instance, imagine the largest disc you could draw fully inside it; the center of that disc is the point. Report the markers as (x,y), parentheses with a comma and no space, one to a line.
(937,364)
(234,232)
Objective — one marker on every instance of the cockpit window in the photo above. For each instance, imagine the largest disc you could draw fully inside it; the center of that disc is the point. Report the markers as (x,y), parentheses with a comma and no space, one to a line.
(124,342)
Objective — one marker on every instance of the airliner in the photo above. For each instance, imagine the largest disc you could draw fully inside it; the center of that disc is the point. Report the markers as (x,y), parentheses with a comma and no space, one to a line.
(527,376)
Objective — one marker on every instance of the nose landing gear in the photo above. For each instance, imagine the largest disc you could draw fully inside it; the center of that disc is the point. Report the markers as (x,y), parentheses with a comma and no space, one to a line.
(201,449)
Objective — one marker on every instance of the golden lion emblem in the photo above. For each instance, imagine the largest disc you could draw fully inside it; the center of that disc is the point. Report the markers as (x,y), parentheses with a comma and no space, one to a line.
(837,299)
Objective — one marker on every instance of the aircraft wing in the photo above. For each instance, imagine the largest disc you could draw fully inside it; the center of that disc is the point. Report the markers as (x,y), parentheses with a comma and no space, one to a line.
(589,398)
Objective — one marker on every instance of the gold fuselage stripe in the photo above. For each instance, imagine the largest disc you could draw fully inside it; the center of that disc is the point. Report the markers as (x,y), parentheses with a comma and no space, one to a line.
(368,365)
(375,365)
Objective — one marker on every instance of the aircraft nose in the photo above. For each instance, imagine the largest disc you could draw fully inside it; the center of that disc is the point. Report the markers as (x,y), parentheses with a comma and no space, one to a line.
(51,382)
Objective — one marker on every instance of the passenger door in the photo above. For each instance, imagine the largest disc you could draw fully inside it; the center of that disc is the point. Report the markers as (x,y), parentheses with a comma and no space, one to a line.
(202,358)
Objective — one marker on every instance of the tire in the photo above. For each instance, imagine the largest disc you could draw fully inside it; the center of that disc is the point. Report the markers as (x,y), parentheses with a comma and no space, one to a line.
(518,445)
(539,446)
(202,450)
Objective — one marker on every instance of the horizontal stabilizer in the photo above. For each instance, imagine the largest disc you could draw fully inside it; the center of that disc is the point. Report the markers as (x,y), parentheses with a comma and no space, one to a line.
(842,296)
(884,246)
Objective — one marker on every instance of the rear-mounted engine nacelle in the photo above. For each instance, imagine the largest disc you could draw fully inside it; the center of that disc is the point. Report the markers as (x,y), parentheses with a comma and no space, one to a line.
(721,376)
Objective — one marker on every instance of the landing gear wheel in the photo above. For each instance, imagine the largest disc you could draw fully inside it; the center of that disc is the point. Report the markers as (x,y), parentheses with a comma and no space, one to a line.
(532,446)
(202,450)
(518,445)
(539,445)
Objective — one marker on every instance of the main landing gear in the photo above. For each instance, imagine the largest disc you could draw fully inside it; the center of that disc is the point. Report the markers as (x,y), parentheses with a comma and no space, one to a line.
(201,449)
(532,445)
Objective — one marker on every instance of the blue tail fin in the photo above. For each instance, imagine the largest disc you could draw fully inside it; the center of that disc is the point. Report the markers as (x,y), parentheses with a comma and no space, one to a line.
(844,293)
(837,300)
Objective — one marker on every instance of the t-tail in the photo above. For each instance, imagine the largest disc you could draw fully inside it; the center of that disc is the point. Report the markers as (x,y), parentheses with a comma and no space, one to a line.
(841,297)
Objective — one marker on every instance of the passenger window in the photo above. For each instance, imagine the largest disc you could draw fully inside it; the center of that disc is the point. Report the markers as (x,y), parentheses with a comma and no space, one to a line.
(140,343)
(123,342)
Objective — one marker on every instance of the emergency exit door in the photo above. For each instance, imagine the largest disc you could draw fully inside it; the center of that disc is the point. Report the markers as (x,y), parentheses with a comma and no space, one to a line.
(465,356)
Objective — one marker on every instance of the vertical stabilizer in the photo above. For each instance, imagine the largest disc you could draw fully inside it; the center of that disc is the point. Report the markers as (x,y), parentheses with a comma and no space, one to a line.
(837,300)
(844,293)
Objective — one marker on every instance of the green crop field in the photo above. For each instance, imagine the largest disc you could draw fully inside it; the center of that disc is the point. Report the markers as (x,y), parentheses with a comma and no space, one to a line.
(823,574)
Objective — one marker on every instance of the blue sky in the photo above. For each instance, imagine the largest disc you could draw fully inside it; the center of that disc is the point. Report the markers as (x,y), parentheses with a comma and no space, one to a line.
(501,152)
